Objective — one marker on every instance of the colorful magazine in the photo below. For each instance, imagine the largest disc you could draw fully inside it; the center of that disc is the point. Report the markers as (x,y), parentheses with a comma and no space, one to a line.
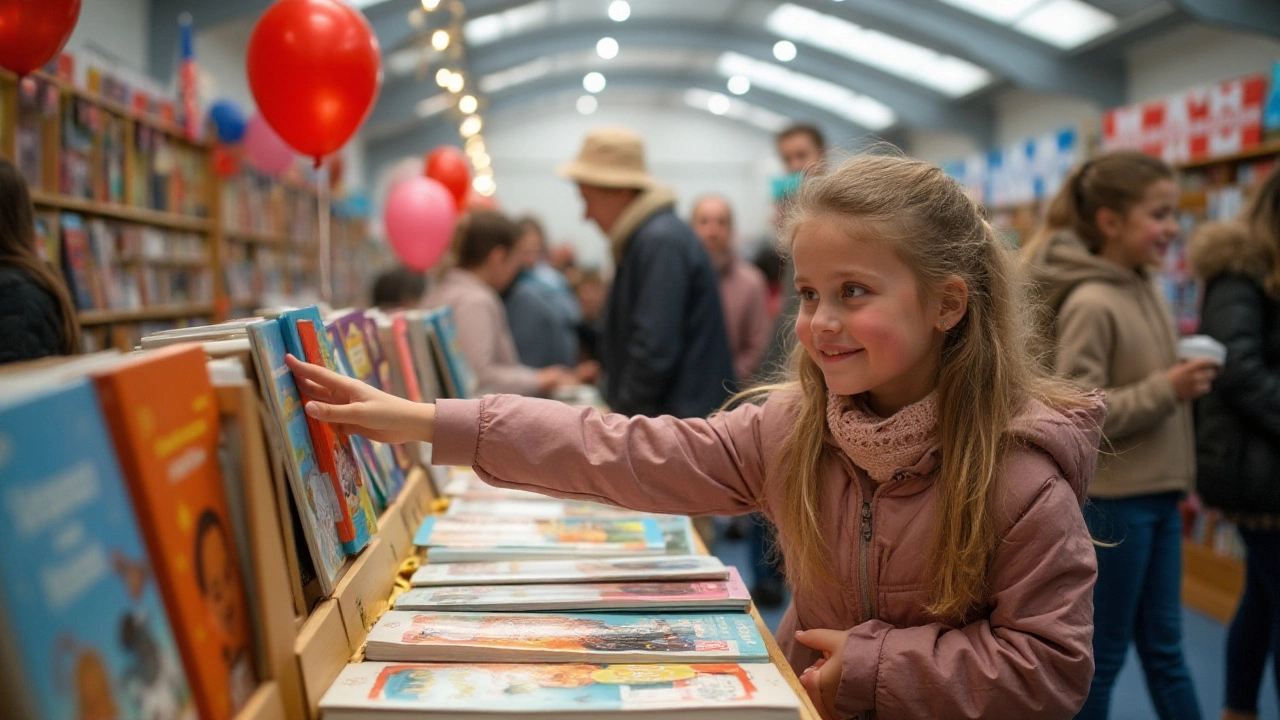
(689,595)
(82,624)
(577,690)
(544,508)
(480,539)
(318,509)
(623,569)
(564,637)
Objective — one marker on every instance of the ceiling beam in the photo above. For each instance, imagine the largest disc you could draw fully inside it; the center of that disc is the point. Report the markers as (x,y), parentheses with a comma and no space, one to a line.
(916,106)
(1258,16)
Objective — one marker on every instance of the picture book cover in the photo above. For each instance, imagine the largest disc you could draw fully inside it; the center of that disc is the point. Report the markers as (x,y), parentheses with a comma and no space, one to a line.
(565,637)
(362,363)
(621,569)
(464,483)
(594,536)
(544,508)
(89,633)
(385,373)
(78,262)
(376,475)
(408,369)
(433,374)
(313,492)
(163,416)
(463,380)
(745,692)
(677,534)
(686,595)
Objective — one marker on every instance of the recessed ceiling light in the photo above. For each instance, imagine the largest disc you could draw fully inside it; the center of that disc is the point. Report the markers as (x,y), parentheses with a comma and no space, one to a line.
(739,84)
(718,104)
(456,83)
(593,82)
(587,104)
(430,5)
(440,39)
(442,77)
(471,125)
(619,10)
(607,48)
(784,50)
(468,104)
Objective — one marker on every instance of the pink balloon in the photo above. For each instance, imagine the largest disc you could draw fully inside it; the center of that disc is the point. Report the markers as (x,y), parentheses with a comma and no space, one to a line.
(419,218)
(264,149)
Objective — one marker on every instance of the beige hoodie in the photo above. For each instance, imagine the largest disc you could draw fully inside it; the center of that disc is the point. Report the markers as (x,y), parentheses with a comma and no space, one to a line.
(1114,331)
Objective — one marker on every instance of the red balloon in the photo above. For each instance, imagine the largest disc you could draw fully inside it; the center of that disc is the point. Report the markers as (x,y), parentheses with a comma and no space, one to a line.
(33,33)
(314,69)
(448,166)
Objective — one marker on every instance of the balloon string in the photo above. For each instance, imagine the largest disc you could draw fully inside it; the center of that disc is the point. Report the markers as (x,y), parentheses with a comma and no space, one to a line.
(326,291)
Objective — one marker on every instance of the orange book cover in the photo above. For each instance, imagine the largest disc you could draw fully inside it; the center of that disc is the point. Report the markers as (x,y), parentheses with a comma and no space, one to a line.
(163,417)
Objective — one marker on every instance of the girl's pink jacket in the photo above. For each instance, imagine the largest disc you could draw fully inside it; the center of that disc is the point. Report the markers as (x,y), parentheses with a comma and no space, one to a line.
(1027,654)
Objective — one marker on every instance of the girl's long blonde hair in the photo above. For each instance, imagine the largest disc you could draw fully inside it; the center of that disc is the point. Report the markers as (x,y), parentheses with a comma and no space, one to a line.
(985,375)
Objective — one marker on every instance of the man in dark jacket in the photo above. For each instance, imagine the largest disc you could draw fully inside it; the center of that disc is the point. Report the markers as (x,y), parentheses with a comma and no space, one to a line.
(666,351)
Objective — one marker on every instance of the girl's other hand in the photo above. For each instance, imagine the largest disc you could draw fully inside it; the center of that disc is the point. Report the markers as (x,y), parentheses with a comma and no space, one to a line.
(355,408)
(822,679)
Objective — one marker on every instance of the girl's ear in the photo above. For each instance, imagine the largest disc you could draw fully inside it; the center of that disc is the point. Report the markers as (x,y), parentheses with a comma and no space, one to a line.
(954,303)
(1108,222)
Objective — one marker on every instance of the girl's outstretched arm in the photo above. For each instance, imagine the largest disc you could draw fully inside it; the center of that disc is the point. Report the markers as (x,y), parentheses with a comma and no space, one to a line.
(696,467)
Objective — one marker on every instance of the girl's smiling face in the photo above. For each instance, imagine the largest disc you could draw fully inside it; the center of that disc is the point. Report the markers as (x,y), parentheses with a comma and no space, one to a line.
(863,318)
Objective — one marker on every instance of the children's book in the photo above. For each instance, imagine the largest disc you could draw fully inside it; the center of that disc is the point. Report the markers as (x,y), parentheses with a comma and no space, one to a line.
(544,508)
(482,539)
(83,630)
(464,483)
(667,568)
(460,381)
(78,263)
(376,476)
(313,492)
(356,522)
(686,595)
(572,690)
(417,335)
(384,371)
(677,534)
(565,637)
(163,417)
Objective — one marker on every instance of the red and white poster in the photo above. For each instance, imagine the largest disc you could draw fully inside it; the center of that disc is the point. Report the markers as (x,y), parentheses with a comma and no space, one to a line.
(1206,122)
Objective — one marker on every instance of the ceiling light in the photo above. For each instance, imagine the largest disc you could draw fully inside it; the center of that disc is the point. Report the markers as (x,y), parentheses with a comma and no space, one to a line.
(607,48)
(430,5)
(739,84)
(484,184)
(481,161)
(593,82)
(475,144)
(946,74)
(442,77)
(433,105)
(587,104)
(470,126)
(440,39)
(456,83)
(1000,11)
(468,104)
(766,120)
(718,104)
(784,50)
(861,109)
(1065,23)
(619,10)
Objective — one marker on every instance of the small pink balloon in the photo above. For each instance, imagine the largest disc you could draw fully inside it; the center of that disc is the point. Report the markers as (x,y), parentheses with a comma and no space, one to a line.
(264,149)
(419,218)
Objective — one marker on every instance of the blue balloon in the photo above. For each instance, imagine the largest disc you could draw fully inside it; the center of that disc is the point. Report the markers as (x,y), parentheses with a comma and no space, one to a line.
(228,120)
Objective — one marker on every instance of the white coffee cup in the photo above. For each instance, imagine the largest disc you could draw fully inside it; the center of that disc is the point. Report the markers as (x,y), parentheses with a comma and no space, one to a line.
(1194,347)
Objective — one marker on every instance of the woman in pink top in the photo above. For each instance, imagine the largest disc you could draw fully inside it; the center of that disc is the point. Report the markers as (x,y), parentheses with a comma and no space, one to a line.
(924,478)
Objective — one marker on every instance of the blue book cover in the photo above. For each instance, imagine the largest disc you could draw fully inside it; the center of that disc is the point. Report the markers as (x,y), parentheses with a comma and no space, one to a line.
(353,493)
(565,637)
(464,380)
(313,492)
(77,591)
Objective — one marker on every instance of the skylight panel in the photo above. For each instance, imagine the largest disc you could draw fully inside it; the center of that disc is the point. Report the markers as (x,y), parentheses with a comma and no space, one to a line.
(492,28)
(1065,24)
(865,111)
(711,102)
(947,74)
(518,75)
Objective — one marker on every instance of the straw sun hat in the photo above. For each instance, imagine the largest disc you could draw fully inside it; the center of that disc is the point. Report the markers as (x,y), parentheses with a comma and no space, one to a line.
(611,157)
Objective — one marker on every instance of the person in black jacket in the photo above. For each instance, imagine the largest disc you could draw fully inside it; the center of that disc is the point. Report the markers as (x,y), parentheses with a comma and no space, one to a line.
(37,317)
(666,351)
(1238,425)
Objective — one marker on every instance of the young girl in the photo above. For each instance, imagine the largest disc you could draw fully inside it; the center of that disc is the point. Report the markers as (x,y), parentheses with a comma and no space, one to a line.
(37,317)
(487,265)
(1238,426)
(925,482)
(1112,220)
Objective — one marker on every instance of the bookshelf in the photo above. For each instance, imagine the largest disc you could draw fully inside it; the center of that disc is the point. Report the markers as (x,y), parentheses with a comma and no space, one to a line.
(1211,189)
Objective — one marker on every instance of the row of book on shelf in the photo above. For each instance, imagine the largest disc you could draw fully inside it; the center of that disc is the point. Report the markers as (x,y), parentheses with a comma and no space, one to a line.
(126,582)
(528,605)
(1211,528)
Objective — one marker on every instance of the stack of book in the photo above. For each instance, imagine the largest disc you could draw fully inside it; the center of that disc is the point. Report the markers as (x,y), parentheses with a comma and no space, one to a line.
(529,605)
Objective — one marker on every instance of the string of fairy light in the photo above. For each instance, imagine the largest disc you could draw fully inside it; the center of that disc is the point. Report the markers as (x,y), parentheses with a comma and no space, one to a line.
(444,43)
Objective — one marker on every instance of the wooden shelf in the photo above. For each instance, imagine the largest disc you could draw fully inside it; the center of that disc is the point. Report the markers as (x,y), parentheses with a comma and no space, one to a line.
(121,212)
(1263,150)
(259,238)
(158,312)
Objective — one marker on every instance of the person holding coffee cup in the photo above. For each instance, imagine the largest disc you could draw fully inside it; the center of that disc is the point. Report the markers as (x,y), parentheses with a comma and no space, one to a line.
(1238,425)
(1112,329)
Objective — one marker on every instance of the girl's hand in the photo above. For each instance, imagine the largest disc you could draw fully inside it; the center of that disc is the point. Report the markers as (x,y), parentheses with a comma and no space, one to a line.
(822,679)
(355,408)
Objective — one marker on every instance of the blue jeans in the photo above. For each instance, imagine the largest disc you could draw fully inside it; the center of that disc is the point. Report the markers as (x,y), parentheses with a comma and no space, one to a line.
(1255,629)
(1138,598)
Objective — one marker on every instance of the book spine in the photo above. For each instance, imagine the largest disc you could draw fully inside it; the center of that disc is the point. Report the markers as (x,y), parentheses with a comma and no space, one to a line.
(323,439)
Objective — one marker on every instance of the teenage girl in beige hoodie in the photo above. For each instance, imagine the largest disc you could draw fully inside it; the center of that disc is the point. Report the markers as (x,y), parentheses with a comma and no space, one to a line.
(1106,230)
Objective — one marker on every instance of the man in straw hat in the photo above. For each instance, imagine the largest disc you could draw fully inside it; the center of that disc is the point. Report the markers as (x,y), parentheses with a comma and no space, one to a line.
(666,351)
